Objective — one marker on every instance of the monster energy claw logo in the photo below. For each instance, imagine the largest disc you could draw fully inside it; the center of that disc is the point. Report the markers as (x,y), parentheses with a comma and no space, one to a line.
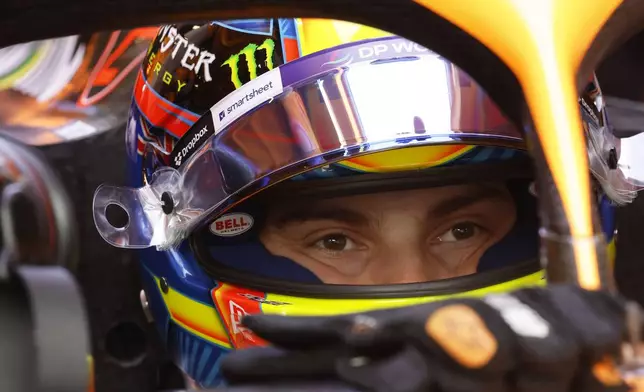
(249,53)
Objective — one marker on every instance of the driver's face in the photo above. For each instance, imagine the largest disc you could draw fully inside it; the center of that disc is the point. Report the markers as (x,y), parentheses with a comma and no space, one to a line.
(394,237)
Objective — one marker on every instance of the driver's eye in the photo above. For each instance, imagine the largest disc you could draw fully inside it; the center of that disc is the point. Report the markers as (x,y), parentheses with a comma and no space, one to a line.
(460,232)
(335,243)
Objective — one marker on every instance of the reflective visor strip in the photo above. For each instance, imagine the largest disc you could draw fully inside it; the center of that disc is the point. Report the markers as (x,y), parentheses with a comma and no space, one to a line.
(354,99)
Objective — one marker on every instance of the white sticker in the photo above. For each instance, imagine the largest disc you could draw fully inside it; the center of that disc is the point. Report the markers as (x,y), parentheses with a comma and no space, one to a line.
(230,225)
(75,130)
(259,90)
(237,313)
(523,320)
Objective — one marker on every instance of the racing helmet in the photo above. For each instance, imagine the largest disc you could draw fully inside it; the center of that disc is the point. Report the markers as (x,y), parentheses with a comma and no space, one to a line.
(316,167)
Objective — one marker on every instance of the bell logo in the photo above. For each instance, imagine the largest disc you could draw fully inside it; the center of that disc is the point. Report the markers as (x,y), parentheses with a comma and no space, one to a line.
(250,52)
(230,225)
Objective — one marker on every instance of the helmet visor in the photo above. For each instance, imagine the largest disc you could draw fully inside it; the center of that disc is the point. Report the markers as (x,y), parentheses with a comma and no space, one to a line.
(353,100)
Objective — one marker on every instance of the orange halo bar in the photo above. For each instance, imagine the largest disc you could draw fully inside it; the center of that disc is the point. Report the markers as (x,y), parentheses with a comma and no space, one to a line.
(543,42)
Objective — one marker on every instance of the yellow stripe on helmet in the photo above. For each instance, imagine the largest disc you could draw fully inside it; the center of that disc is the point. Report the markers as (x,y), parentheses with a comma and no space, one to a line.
(319,34)
(91,384)
(196,317)
(612,253)
(404,159)
(298,306)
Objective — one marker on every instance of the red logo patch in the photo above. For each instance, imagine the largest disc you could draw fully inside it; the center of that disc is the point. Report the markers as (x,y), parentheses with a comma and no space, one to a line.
(230,225)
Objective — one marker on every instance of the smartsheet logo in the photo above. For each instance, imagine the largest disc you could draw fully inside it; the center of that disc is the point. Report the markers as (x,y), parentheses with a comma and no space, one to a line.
(252,94)
(255,93)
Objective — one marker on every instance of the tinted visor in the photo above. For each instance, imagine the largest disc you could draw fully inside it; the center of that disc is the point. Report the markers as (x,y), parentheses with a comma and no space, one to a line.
(355,99)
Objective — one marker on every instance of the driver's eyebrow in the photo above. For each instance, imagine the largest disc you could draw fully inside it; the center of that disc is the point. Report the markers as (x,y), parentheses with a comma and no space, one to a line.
(458,202)
(303,214)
